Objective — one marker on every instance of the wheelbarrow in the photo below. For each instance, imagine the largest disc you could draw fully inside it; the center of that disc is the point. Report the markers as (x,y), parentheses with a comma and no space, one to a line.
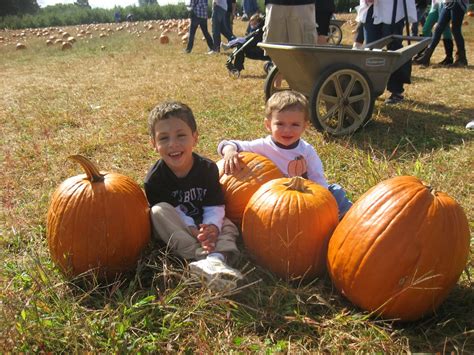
(335,31)
(340,83)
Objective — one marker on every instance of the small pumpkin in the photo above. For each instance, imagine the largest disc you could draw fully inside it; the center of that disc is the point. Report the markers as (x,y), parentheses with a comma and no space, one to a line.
(164,39)
(240,186)
(98,221)
(400,249)
(287,225)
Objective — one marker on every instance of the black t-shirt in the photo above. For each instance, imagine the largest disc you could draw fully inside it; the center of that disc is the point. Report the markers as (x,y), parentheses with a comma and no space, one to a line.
(200,188)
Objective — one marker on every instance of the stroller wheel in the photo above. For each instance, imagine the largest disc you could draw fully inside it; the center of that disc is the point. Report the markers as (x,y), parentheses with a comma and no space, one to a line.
(234,73)
(268,66)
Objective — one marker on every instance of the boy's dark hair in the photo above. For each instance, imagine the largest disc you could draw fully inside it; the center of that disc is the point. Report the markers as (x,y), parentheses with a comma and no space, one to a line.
(170,109)
(287,100)
(258,18)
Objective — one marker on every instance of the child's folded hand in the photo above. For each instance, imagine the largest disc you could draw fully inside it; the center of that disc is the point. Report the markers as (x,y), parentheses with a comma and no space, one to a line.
(232,162)
(208,237)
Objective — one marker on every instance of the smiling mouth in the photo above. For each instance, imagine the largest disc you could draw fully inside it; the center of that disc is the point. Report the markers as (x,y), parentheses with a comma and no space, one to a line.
(175,155)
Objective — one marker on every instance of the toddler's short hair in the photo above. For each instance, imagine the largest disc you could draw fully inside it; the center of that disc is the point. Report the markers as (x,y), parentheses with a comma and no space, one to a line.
(170,109)
(287,100)
(258,18)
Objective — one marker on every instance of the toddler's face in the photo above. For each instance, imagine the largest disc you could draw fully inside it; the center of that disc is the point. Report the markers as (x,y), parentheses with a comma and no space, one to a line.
(286,127)
(174,141)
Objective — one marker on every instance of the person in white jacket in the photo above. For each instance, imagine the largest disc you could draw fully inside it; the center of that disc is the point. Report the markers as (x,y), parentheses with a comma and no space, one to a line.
(382,18)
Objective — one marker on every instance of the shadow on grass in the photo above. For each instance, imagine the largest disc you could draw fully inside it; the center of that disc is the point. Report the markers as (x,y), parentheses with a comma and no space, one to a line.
(414,127)
(450,329)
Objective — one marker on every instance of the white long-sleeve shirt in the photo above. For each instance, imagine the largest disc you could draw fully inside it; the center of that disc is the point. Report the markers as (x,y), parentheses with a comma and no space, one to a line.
(282,157)
(383,11)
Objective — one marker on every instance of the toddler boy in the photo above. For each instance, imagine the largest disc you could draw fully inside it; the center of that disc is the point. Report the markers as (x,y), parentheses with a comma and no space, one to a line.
(286,118)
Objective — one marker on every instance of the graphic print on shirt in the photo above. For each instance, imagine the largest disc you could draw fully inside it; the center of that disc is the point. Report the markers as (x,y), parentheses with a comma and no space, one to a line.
(298,167)
(186,199)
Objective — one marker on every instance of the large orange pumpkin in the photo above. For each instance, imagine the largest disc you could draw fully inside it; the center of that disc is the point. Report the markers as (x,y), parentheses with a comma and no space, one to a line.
(97,221)
(240,186)
(400,249)
(287,225)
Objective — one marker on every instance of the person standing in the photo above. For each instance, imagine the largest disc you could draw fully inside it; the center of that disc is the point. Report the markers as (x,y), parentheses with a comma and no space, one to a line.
(451,11)
(384,18)
(290,21)
(324,11)
(198,17)
(219,24)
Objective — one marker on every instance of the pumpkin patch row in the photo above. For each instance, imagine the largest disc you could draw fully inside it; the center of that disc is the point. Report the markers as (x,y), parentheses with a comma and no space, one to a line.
(397,252)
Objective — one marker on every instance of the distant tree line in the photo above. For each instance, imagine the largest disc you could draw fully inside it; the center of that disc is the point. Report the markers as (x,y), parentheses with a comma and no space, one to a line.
(16,14)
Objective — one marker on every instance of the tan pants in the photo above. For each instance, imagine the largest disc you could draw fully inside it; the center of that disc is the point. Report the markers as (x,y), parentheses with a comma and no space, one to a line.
(170,228)
(290,24)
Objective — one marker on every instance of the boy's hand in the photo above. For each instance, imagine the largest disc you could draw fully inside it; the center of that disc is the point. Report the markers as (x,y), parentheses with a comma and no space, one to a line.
(208,237)
(232,161)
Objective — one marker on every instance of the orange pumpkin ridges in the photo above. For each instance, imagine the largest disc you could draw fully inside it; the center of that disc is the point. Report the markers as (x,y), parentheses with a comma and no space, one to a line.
(239,187)
(97,221)
(287,224)
(400,249)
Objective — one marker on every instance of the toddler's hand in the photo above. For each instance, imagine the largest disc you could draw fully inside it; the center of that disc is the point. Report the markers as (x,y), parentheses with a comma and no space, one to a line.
(232,162)
(208,237)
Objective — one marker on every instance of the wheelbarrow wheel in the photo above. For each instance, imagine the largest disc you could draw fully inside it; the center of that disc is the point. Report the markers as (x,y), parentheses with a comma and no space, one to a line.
(274,82)
(334,34)
(342,100)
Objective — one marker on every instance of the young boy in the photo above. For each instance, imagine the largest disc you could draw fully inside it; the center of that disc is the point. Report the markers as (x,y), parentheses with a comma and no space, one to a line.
(186,200)
(286,118)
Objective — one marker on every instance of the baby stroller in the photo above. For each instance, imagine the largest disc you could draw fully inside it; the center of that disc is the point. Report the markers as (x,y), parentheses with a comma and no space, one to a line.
(249,49)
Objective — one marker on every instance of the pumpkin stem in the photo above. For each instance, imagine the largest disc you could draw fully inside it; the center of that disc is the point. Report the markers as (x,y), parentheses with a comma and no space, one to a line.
(93,174)
(429,187)
(296,183)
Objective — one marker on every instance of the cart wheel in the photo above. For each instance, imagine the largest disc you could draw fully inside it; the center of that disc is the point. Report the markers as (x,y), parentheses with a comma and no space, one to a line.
(342,100)
(234,73)
(274,82)
(335,34)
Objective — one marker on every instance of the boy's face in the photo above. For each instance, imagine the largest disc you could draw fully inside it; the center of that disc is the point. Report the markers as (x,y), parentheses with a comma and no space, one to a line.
(286,127)
(174,141)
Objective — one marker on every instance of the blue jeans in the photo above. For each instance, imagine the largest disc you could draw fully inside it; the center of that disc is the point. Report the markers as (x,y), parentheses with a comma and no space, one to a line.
(219,25)
(343,203)
(455,14)
(201,22)
(374,32)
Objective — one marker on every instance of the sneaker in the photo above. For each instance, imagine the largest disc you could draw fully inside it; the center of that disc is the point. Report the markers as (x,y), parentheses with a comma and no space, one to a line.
(212,51)
(225,46)
(216,274)
(187,51)
(470,126)
(394,99)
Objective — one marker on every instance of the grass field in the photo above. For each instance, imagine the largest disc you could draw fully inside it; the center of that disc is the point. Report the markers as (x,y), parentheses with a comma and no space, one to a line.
(94,100)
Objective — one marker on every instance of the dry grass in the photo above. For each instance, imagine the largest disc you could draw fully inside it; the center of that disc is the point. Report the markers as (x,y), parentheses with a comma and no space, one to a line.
(95,102)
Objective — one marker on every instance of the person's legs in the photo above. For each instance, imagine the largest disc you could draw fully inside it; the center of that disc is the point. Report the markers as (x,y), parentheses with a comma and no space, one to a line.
(371,32)
(343,202)
(168,225)
(443,22)
(457,15)
(205,32)
(192,32)
(216,28)
(301,24)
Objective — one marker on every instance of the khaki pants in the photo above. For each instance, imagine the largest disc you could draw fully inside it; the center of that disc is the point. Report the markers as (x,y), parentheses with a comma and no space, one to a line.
(170,228)
(290,24)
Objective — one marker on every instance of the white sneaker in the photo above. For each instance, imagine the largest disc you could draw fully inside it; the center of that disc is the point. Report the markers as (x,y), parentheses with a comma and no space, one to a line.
(470,126)
(225,46)
(216,274)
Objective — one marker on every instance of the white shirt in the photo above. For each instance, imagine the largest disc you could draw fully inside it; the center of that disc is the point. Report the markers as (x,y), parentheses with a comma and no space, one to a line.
(383,11)
(282,157)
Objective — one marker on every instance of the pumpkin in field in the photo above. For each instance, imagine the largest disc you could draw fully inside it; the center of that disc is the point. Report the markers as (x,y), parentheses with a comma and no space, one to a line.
(164,39)
(470,13)
(240,186)
(400,249)
(287,225)
(97,221)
